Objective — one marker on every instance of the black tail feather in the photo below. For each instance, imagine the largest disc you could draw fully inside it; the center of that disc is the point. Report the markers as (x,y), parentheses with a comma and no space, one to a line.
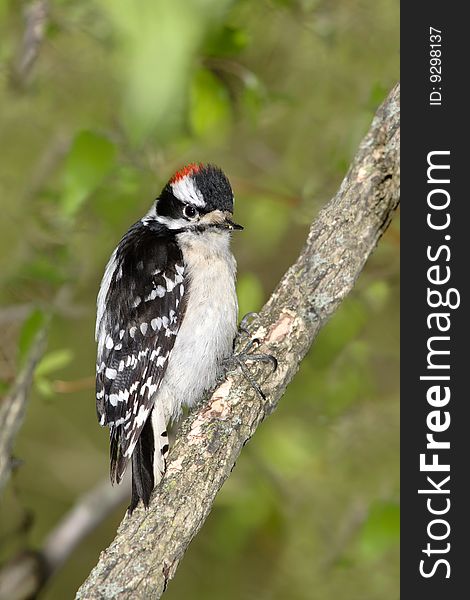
(118,462)
(142,466)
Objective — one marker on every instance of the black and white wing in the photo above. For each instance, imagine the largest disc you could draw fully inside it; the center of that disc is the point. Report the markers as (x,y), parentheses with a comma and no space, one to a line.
(141,305)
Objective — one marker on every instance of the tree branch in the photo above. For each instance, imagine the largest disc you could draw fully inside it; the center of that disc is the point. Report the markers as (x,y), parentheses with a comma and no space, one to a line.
(35,17)
(13,407)
(25,575)
(150,544)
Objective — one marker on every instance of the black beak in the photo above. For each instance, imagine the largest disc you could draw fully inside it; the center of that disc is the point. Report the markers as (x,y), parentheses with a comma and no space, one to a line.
(232,226)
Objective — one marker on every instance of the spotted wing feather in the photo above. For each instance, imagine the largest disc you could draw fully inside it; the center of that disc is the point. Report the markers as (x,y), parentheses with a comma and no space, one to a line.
(140,311)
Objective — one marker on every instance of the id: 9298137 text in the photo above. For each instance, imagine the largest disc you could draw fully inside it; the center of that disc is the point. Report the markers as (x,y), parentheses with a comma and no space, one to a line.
(435,66)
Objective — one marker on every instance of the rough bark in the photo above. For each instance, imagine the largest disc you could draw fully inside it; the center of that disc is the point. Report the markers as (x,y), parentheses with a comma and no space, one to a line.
(150,544)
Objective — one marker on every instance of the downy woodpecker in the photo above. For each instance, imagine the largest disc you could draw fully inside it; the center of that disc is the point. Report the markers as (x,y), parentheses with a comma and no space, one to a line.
(166,320)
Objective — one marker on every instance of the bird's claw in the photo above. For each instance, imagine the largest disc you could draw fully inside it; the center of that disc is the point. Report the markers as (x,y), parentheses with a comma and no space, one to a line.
(239,359)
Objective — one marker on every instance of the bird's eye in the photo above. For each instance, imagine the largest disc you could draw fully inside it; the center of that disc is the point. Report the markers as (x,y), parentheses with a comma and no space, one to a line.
(189,211)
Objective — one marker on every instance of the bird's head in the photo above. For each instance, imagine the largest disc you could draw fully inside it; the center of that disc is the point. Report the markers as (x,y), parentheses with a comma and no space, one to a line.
(198,198)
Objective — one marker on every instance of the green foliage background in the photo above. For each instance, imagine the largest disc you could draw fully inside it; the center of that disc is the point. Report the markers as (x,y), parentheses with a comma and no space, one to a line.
(279,94)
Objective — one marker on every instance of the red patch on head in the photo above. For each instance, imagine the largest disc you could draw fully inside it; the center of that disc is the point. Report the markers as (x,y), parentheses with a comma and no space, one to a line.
(185,171)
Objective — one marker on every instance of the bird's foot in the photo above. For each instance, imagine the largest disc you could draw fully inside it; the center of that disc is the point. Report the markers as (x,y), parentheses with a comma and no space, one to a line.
(245,355)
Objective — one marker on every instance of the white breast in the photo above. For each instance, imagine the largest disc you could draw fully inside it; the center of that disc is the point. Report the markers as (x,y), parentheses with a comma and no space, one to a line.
(210,323)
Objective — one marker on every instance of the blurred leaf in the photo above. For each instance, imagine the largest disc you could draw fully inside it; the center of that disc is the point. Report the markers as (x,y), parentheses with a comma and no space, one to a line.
(226,41)
(377,294)
(44,386)
(157,48)
(380,531)
(90,159)
(53,361)
(28,333)
(210,112)
(250,294)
